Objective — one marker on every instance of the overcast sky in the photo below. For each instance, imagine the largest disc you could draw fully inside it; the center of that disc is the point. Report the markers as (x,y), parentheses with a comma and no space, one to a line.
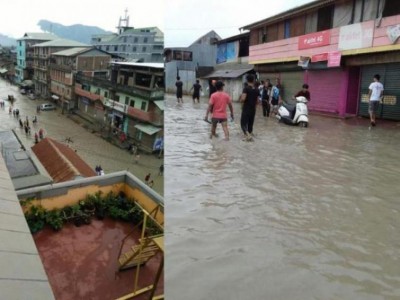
(187,20)
(20,16)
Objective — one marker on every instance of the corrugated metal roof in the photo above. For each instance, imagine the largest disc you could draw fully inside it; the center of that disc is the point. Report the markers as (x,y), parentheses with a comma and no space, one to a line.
(62,43)
(149,129)
(291,12)
(39,36)
(137,64)
(73,51)
(160,104)
(228,73)
(60,161)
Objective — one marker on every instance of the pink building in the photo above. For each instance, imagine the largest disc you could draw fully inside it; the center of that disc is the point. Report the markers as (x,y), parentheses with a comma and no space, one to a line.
(336,46)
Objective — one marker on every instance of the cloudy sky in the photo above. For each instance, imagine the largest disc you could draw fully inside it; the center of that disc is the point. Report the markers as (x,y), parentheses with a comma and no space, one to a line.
(183,21)
(187,20)
(20,16)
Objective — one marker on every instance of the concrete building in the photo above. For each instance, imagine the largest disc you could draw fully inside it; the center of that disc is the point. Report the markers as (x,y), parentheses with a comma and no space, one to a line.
(336,47)
(134,44)
(131,104)
(190,62)
(24,68)
(41,62)
(66,63)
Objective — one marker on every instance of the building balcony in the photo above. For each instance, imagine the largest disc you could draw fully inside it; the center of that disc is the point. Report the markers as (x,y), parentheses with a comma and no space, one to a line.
(81,92)
(62,67)
(138,91)
(150,117)
(40,67)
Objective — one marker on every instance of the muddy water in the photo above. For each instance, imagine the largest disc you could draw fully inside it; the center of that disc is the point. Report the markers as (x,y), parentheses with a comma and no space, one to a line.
(297,214)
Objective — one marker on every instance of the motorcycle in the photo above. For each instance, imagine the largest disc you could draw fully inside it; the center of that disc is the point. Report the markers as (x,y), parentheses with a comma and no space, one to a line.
(294,114)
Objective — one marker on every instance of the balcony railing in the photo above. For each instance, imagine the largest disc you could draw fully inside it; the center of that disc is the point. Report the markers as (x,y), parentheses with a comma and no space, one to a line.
(138,91)
(61,67)
(81,92)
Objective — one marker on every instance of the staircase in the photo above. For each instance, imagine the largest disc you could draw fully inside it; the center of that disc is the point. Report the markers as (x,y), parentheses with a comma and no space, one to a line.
(134,256)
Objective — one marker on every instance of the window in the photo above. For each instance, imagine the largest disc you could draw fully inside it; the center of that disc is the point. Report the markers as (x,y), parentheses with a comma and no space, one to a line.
(145,40)
(144,49)
(262,35)
(126,100)
(143,80)
(124,39)
(123,48)
(177,55)
(392,8)
(325,18)
(133,49)
(106,94)
(117,98)
(115,47)
(286,33)
(132,103)
(143,106)
(187,55)
(107,48)
(135,40)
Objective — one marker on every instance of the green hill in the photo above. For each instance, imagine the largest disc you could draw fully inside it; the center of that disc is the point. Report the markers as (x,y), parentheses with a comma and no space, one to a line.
(7,41)
(77,32)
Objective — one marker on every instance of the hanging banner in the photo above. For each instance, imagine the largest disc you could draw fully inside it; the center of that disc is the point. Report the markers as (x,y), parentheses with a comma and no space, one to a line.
(221,53)
(393,33)
(356,36)
(319,57)
(314,40)
(303,61)
(334,59)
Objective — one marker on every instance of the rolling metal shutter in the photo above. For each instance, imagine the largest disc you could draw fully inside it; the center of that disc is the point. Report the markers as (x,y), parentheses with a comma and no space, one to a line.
(325,89)
(291,83)
(390,78)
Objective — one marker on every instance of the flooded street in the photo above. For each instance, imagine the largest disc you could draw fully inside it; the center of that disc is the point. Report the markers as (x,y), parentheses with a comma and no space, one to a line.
(297,214)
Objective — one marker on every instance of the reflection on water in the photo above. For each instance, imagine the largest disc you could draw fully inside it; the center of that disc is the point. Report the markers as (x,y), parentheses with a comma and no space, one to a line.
(297,214)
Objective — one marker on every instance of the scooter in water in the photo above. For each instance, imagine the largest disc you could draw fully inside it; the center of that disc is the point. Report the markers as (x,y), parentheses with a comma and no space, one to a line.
(294,114)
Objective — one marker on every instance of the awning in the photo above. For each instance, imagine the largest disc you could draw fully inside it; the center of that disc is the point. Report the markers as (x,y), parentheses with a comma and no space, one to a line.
(2,71)
(160,104)
(148,129)
(55,97)
(228,73)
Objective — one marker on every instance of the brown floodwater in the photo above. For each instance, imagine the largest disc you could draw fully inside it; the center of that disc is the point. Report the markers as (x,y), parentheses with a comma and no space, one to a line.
(297,214)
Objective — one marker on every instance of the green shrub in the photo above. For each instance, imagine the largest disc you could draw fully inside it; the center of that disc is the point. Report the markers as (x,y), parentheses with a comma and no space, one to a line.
(54,219)
(36,218)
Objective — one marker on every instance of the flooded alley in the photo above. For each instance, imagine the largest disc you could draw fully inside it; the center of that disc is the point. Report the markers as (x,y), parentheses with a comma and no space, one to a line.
(297,214)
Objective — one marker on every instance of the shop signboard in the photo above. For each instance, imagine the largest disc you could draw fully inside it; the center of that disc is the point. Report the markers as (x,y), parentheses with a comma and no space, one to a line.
(356,36)
(314,40)
(334,59)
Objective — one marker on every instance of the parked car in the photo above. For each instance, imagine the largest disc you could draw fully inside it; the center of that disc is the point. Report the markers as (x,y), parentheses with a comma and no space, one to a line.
(47,106)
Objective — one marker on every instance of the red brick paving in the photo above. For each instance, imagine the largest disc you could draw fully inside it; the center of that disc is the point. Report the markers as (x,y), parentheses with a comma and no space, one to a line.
(82,262)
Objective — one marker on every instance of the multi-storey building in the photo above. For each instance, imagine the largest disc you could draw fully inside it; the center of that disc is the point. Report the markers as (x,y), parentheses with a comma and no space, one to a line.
(133,44)
(132,102)
(24,68)
(190,62)
(66,63)
(336,47)
(41,62)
